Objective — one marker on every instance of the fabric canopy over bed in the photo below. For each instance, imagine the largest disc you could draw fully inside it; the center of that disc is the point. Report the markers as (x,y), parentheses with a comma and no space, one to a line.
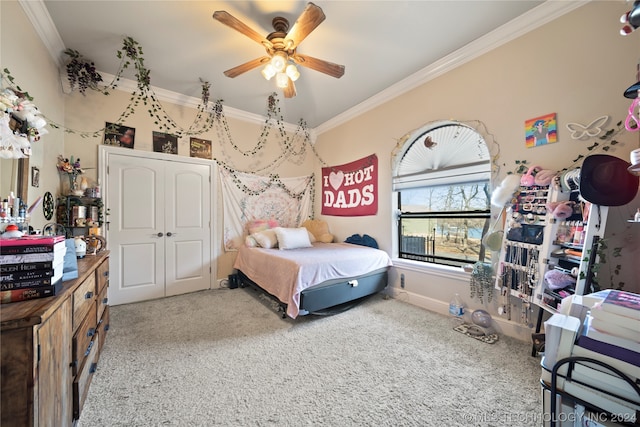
(285,274)
(247,197)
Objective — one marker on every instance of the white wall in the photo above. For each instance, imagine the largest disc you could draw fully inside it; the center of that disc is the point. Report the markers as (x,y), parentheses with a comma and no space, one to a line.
(24,54)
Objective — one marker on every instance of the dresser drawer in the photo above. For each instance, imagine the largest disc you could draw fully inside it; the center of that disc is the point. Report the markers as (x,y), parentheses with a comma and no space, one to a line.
(83,379)
(84,298)
(102,303)
(103,328)
(83,339)
(102,275)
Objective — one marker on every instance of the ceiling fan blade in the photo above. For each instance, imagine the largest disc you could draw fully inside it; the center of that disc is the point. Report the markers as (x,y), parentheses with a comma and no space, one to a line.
(290,90)
(309,19)
(227,19)
(243,68)
(334,70)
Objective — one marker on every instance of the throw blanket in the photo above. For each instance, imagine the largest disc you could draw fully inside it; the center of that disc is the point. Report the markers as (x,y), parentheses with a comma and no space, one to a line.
(286,273)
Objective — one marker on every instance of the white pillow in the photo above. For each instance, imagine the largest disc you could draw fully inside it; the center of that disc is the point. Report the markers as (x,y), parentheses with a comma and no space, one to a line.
(266,238)
(292,238)
(312,238)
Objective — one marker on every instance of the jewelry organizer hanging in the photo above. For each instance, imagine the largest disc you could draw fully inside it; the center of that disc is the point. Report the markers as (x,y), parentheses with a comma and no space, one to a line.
(519,266)
(568,240)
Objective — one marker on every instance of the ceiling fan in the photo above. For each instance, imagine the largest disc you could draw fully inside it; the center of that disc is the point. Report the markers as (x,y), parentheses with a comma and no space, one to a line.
(281,45)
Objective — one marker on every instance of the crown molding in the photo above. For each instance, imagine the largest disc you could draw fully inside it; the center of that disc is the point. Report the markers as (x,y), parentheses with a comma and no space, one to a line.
(39,16)
(529,21)
(128,85)
(548,11)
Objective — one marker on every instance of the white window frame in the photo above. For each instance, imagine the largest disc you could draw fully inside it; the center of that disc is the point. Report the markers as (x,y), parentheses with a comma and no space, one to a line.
(483,169)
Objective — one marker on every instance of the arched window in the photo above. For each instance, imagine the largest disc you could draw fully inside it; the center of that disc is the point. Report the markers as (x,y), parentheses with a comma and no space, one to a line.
(442,177)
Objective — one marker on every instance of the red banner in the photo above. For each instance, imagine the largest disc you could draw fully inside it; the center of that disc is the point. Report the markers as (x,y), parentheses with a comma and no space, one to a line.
(351,189)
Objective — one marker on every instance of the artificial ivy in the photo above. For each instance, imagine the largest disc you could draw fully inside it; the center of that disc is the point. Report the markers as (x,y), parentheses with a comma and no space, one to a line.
(82,75)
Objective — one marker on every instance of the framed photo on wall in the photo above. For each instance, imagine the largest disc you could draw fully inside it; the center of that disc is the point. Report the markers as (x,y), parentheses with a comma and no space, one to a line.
(35,176)
(119,135)
(165,143)
(541,130)
(200,148)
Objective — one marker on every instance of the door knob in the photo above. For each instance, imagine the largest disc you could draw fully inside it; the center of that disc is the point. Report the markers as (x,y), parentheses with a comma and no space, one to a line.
(159,234)
(169,234)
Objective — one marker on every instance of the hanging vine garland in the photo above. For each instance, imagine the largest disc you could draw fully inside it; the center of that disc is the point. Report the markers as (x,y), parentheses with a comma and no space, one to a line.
(82,75)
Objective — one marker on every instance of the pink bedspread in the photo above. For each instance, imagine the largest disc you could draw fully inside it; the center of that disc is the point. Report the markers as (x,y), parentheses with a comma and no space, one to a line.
(286,273)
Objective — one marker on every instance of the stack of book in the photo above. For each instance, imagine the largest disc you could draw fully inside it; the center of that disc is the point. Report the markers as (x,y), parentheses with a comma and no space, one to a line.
(31,267)
(610,334)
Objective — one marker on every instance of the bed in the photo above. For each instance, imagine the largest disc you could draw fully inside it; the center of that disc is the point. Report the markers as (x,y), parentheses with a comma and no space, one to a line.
(313,279)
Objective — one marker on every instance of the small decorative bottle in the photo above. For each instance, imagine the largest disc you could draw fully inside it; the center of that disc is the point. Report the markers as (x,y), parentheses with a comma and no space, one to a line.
(456,308)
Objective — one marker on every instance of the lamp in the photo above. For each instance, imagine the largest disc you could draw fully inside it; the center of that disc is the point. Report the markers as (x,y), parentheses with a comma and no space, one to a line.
(282,80)
(280,67)
(292,72)
(268,71)
(279,61)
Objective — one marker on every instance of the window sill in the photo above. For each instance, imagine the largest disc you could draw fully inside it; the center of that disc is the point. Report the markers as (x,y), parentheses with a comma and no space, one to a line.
(432,269)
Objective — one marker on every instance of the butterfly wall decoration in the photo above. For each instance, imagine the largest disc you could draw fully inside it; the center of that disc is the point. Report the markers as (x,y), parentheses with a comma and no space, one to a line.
(593,129)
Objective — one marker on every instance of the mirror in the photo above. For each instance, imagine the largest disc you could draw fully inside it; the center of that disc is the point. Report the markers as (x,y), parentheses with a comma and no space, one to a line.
(15,177)
(22,182)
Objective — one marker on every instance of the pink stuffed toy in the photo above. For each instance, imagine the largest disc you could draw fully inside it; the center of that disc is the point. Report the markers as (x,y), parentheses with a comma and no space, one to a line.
(537,176)
(528,179)
(560,210)
(544,177)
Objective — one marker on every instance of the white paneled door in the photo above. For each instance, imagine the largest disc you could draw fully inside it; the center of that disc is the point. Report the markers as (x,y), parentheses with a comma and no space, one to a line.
(159,227)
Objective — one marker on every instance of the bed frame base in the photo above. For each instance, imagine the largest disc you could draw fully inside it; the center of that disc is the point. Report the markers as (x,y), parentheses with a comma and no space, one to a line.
(331,297)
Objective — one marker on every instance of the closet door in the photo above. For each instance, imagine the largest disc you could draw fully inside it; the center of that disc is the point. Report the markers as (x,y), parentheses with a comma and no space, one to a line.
(187,225)
(159,227)
(136,202)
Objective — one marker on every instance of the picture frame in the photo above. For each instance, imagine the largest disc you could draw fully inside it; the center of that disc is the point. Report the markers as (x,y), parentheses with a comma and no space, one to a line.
(541,130)
(200,148)
(35,176)
(165,143)
(119,135)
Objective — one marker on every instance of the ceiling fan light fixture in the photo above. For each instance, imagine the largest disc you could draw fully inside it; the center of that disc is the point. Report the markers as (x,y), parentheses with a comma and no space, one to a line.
(279,61)
(282,80)
(268,71)
(292,72)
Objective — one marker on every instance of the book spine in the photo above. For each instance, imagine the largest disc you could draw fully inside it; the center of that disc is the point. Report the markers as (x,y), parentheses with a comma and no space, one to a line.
(25,249)
(627,368)
(25,266)
(27,258)
(615,319)
(610,350)
(624,303)
(16,295)
(25,275)
(607,382)
(23,284)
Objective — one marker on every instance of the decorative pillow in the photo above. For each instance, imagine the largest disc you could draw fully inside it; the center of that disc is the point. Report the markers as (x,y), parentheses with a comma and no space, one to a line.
(320,229)
(292,238)
(266,239)
(257,225)
(250,242)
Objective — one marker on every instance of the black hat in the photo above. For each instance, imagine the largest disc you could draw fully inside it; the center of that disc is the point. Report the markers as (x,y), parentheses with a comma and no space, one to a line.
(632,92)
(605,181)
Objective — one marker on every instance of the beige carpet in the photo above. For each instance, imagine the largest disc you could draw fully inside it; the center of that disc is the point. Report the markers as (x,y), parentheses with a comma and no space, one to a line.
(225,358)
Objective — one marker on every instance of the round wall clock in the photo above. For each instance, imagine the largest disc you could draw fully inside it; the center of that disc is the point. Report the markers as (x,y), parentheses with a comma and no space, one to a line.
(47,205)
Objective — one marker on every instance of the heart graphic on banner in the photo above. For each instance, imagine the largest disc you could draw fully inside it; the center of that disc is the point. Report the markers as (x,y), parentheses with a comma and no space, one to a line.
(335,179)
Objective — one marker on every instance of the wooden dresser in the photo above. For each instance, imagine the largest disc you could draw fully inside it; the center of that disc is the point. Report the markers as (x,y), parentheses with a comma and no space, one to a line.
(50,349)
